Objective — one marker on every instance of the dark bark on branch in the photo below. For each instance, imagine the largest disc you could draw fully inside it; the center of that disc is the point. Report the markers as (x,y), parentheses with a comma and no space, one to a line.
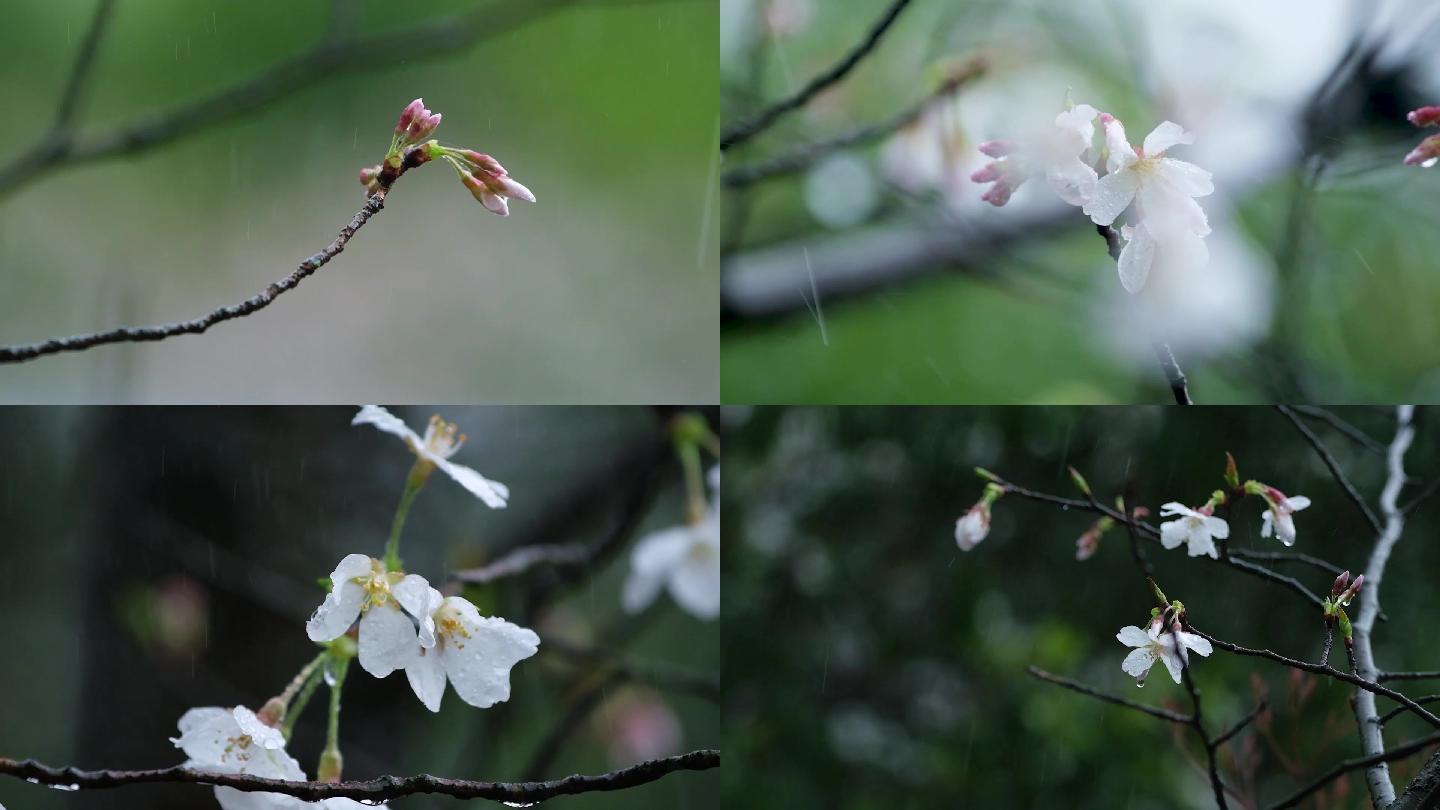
(740,132)
(1409,676)
(1239,725)
(1346,429)
(1090,691)
(384,788)
(1333,466)
(1398,752)
(1423,792)
(75,86)
(1390,715)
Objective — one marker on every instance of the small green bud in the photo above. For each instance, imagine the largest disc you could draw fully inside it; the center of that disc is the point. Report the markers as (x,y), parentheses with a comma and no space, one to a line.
(1346,631)
(1159,594)
(1232,472)
(1080,481)
(330,767)
(987,475)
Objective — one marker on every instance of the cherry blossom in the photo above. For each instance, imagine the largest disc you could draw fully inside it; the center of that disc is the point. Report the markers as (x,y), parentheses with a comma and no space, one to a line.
(1198,528)
(1156,645)
(474,653)
(362,588)
(1279,517)
(435,449)
(973,526)
(487,180)
(1428,152)
(684,560)
(1057,153)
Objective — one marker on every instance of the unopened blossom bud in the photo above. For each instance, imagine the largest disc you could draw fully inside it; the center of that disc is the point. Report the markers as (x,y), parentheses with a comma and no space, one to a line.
(331,764)
(1425,116)
(1351,592)
(1232,472)
(272,713)
(412,111)
(973,526)
(1341,583)
(1426,154)
(490,184)
(1006,173)
(422,127)
(370,178)
(998,149)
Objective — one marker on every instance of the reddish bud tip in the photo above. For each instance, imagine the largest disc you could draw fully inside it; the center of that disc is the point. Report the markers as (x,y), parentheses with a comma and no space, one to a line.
(1341,583)
(1425,116)
(1426,154)
(997,149)
(412,111)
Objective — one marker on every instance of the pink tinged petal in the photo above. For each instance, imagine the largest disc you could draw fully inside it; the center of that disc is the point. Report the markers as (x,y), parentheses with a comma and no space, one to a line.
(988,173)
(516,190)
(494,203)
(695,584)
(1426,153)
(1138,662)
(339,610)
(1217,527)
(1113,193)
(387,422)
(409,114)
(426,675)
(493,493)
(999,148)
(1187,178)
(1072,180)
(1166,135)
(1425,116)
(387,640)
(1121,153)
(1172,534)
(999,194)
(479,666)
(1135,260)
(1132,636)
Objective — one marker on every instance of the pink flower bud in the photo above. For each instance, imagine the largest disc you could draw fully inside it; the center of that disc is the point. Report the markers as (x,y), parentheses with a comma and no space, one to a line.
(999,148)
(1341,583)
(1425,116)
(272,713)
(369,175)
(412,111)
(422,127)
(1426,154)
(989,173)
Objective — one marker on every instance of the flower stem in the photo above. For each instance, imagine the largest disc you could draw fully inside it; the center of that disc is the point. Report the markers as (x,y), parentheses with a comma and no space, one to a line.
(413,483)
(312,682)
(689,453)
(330,759)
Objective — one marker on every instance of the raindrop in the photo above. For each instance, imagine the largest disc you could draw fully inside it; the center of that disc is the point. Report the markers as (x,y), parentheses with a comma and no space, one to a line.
(1140,684)
(329,674)
(519,804)
(66,787)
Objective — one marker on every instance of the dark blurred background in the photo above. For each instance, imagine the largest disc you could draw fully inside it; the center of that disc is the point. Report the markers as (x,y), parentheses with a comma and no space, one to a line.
(603,291)
(1322,244)
(871,664)
(156,559)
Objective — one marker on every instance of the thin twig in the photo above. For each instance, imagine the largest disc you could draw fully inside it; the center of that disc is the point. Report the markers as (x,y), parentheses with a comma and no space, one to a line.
(1174,376)
(1090,691)
(1380,758)
(1288,556)
(1346,429)
(520,560)
(740,132)
(1425,494)
(1197,721)
(1390,715)
(1239,725)
(1326,669)
(804,155)
(81,70)
(383,788)
(1332,465)
(1408,676)
(1372,738)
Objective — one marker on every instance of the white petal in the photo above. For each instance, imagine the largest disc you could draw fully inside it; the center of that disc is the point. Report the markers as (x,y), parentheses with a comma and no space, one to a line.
(1121,153)
(1186,178)
(420,601)
(232,799)
(427,678)
(493,493)
(1138,662)
(1217,527)
(1133,636)
(1166,211)
(479,666)
(1175,508)
(387,640)
(1166,135)
(265,736)
(1297,503)
(1201,544)
(205,733)
(342,803)
(1199,644)
(1135,260)
(386,421)
(335,615)
(1172,534)
(1113,194)
(1265,523)
(695,585)
(1072,180)
(495,203)
(1172,662)
(517,191)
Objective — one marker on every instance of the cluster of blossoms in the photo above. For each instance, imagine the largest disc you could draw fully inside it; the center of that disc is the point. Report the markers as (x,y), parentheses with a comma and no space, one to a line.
(482,175)
(1166,224)
(1427,153)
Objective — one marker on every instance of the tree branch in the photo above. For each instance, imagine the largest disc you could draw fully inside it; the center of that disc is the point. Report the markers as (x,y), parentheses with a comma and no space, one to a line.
(744,130)
(1090,691)
(383,788)
(80,72)
(519,560)
(1408,676)
(1346,429)
(1390,715)
(1239,725)
(1168,364)
(1380,758)
(803,156)
(1332,465)
(1197,721)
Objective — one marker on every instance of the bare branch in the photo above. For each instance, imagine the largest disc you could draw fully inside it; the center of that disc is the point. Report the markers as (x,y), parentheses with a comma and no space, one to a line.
(520,560)
(1332,465)
(1197,721)
(1090,691)
(740,132)
(1168,364)
(1346,429)
(383,788)
(1380,758)
(1239,725)
(1408,676)
(80,72)
(803,156)
(1390,715)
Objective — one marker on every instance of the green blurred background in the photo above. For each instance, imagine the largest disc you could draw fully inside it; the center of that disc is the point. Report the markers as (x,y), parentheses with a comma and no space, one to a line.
(1319,228)
(156,559)
(604,291)
(871,664)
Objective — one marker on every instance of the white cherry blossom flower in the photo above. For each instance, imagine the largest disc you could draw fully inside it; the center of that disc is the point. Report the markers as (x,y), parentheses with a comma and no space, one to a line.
(362,588)
(235,741)
(1195,527)
(475,653)
(1279,517)
(1056,152)
(436,447)
(683,559)
(1156,645)
(973,526)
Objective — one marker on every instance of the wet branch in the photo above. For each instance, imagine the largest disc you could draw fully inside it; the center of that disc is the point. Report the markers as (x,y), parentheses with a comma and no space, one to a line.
(1090,691)
(742,131)
(383,788)
(1398,752)
(80,72)
(1333,466)
(1174,376)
